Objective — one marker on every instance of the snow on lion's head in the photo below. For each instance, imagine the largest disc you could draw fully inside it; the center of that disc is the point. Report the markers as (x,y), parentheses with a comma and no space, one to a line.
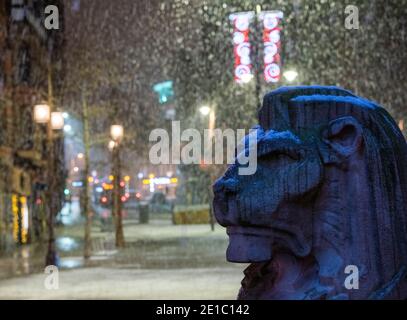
(330,191)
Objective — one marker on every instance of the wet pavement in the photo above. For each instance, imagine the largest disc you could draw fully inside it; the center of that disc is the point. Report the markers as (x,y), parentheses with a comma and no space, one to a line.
(156,245)
(160,260)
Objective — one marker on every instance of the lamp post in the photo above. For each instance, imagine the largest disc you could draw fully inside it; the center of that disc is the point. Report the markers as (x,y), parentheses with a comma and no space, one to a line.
(257,58)
(211,113)
(54,121)
(117,133)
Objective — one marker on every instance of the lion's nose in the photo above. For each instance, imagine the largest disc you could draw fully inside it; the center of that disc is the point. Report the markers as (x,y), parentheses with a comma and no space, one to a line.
(226,185)
(224,202)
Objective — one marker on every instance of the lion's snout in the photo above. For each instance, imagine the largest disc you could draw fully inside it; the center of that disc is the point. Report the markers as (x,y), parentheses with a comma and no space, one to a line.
(246,243)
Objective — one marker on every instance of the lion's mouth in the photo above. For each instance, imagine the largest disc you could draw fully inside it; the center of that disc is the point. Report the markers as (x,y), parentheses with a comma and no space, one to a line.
(248,244)
(258,244)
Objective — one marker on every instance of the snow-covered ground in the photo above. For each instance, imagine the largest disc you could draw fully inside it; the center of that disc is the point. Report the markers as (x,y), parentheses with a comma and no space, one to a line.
(116,283)
(160,261)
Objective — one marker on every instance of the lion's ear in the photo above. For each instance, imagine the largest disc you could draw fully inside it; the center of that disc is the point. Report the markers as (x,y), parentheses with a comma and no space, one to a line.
(342,138)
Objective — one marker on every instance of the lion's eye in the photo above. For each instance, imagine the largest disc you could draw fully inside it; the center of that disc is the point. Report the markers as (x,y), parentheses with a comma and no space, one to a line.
(286,155)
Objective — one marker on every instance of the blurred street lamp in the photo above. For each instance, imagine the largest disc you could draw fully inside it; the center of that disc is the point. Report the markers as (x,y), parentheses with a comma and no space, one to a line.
(204,110)
(53,121)
(57,121)
(67,128)
(246,78)
(42,113)
(111,145)
(290,75)
(80,155)
(116,132)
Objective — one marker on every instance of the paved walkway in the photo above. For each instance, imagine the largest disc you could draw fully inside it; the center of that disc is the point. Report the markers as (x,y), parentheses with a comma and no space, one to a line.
(113,283)
(160,261)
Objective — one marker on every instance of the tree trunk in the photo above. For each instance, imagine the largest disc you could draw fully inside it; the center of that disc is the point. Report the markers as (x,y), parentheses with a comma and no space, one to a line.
(86,200)
(117,205)
(51,258)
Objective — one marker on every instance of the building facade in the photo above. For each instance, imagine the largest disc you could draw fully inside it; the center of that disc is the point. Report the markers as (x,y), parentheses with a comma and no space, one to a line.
(27,50)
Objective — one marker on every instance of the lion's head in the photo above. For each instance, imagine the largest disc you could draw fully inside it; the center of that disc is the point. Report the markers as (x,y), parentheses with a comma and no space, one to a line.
(330,191)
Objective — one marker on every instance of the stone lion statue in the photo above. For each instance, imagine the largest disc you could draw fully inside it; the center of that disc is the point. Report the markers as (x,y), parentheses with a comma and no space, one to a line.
(328,201)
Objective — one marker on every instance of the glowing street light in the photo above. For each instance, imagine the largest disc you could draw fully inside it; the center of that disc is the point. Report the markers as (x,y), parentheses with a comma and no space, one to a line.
(67,128)
(57,121)
(290,75)
(42,113)
(204,110)
(111,145)
(116,132)
(246,78)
